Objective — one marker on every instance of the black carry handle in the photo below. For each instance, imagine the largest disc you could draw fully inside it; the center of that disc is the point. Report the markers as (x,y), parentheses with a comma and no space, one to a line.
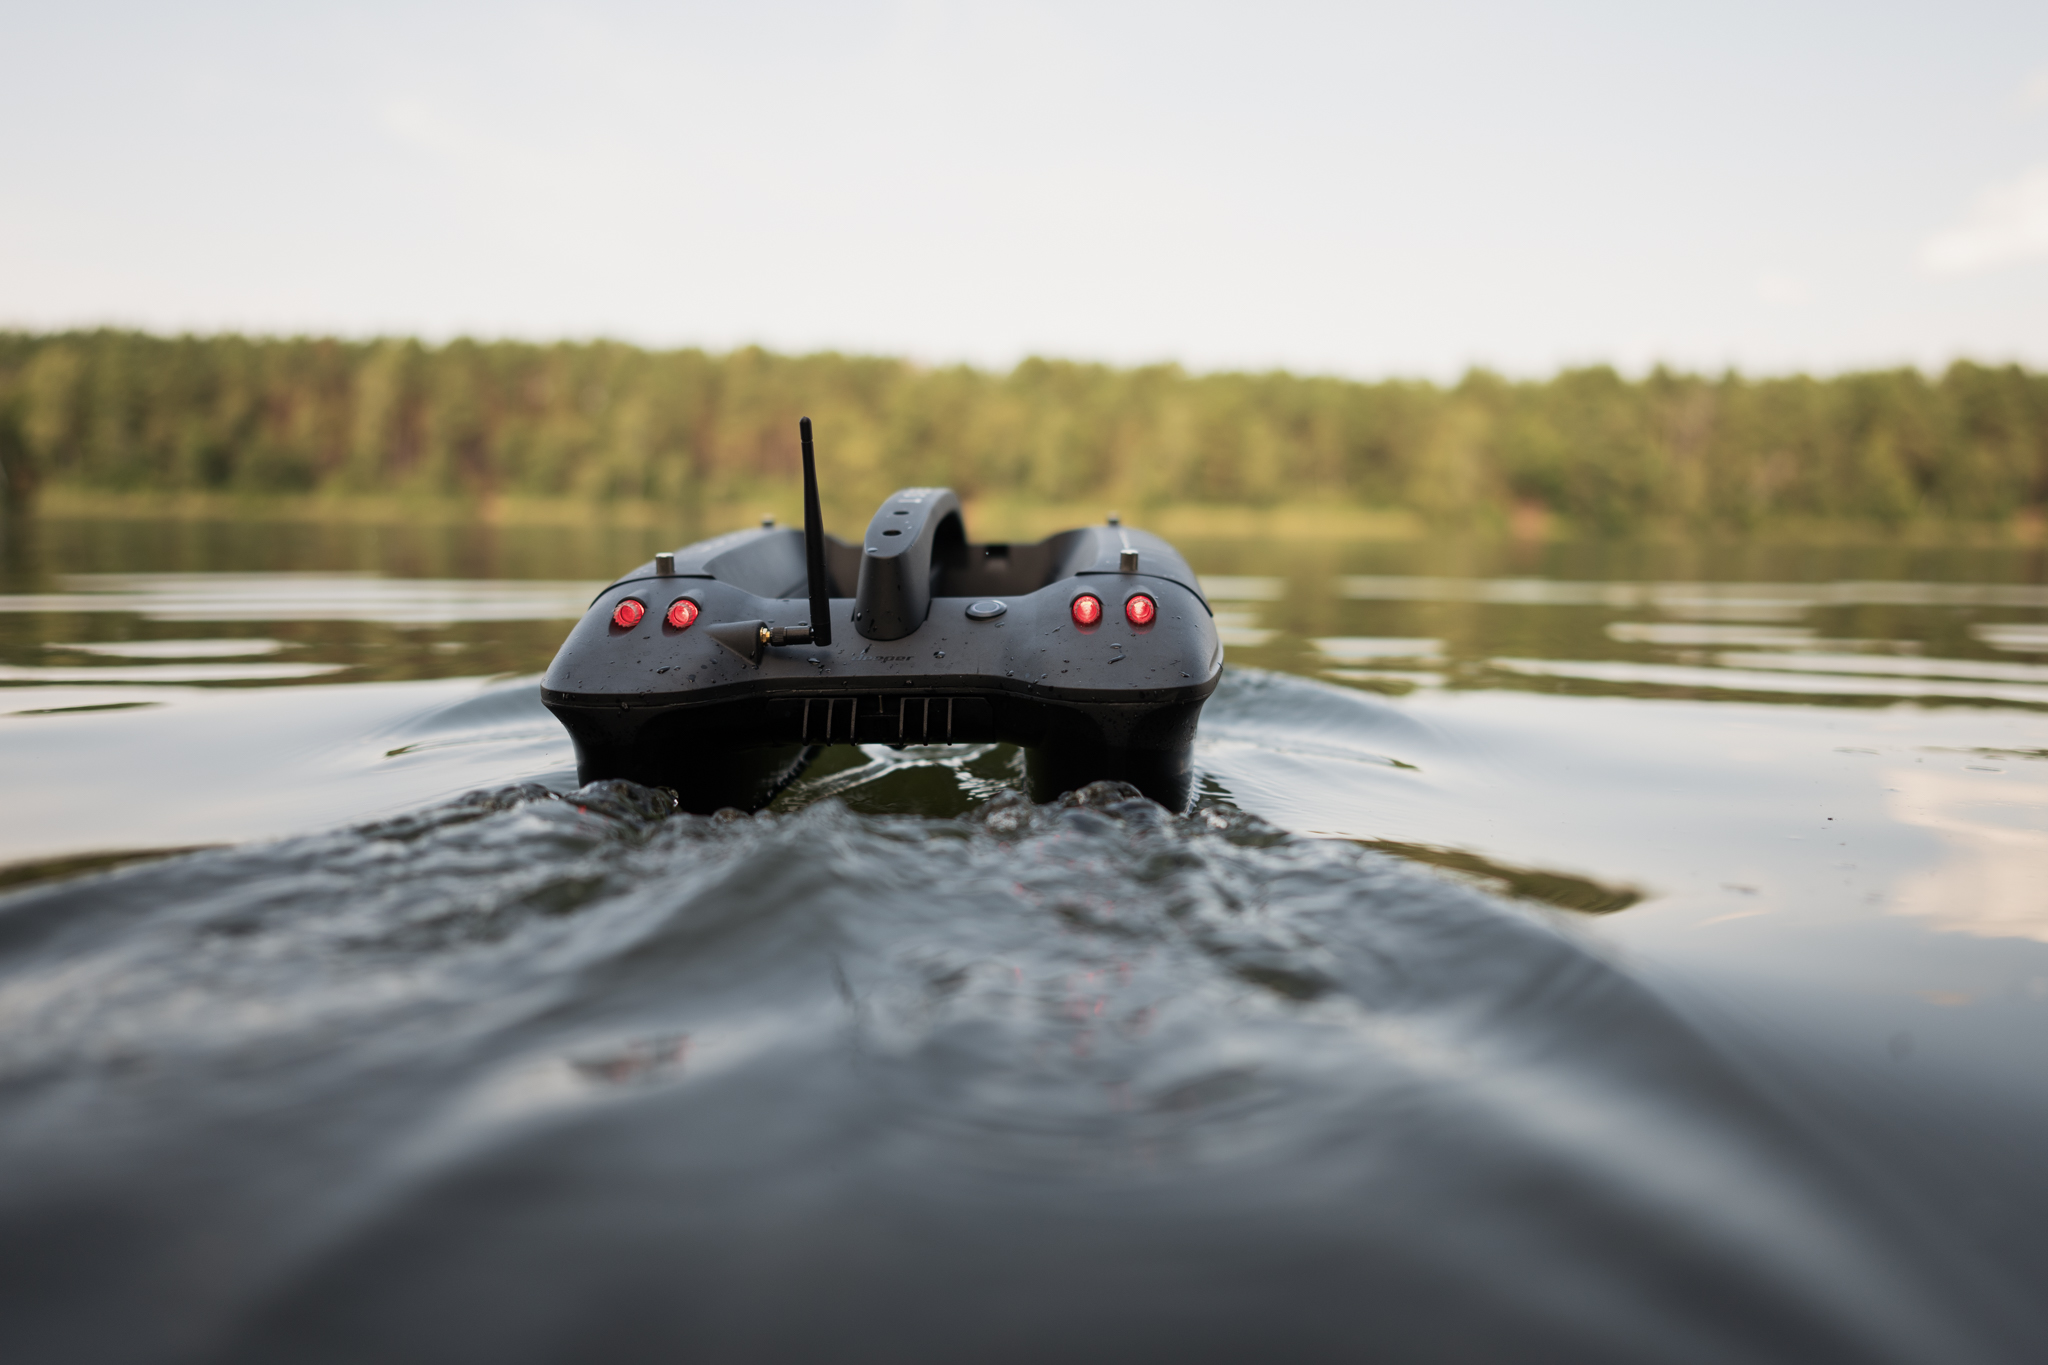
(814,545)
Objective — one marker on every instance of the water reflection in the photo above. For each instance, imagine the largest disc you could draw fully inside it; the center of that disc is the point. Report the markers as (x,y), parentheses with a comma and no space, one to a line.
(1815,678)
(1996,836)
(1841,641)
(308,597)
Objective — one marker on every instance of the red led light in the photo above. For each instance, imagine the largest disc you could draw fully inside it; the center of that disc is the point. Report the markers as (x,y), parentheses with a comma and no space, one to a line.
(627,614)
(681,612)
(1140,610)
(1087,609)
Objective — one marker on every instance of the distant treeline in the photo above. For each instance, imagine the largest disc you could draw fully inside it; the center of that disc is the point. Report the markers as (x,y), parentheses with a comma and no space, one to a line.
(601,420)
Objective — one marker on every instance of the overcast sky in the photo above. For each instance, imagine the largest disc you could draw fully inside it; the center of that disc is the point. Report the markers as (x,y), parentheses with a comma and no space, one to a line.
(1359,189)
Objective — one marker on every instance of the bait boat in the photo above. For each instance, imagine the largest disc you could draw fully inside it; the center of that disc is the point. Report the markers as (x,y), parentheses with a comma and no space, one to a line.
(721,669)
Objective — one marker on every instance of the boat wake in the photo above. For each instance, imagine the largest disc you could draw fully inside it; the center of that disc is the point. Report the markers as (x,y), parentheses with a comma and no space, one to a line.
(543,1075)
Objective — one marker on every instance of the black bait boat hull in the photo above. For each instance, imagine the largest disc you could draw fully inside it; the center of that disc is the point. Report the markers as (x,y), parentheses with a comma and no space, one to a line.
(719,671)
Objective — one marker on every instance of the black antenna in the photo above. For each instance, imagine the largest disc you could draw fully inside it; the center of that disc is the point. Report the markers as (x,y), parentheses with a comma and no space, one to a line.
(814,545)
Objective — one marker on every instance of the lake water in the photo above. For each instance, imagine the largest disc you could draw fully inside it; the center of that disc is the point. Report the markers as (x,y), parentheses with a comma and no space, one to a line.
(1575,952)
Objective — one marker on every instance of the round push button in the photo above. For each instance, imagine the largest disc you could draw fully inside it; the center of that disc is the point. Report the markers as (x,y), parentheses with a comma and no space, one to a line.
(987,611)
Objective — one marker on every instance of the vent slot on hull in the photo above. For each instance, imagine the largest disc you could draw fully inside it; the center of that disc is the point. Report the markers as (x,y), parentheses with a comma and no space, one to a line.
(888,719)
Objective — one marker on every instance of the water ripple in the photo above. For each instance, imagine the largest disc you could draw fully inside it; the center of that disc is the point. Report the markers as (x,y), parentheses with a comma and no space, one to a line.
(535,1075)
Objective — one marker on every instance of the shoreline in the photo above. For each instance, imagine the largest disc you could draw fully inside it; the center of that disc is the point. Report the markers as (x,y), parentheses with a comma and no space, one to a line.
(993,518)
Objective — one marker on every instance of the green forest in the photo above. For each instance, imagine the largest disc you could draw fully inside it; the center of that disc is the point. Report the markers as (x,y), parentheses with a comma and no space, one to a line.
(603,421)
